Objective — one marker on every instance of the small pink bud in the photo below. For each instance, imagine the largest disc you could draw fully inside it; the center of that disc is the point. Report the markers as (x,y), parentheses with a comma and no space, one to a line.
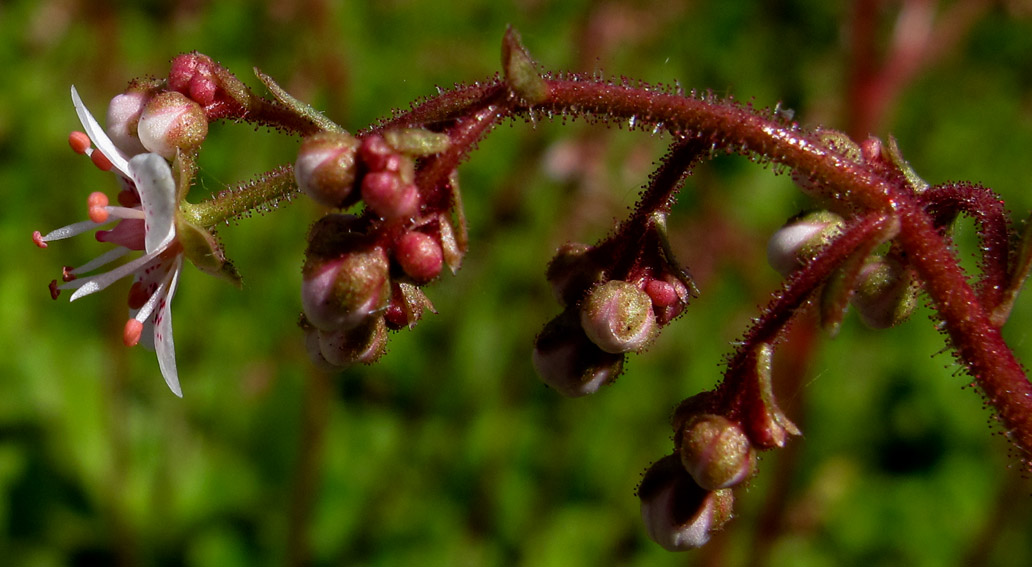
(193,75)
(388,196)
(679,514)
(716,452)
(618,317)
(325,168)
(669,298)
(419,255)
(377,155)
(566,360)
(171,122)
(801,239)
(123,117)
(342,292)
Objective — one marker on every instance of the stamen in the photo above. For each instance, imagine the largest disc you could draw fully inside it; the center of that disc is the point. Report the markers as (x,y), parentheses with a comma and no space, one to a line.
(67,273)
(38,239)
(98,202)
(132,333)
(79,142)
(54,290)
(101,161)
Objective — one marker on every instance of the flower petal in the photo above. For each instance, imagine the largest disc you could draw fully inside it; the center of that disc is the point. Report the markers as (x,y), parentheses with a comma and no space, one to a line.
(163,344)
(157,189)
(98,136)
(93,284)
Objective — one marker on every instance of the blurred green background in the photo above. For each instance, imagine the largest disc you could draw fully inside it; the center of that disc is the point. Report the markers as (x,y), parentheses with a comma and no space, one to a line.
(450,451)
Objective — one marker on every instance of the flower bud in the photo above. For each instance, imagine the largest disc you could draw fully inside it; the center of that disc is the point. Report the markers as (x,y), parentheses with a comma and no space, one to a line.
(388,196)
(170,121)
(572,271)
(618,317)
(801,239)
(123,118)
(566,360)
(377,155)
(669,298)
(679,514)
(886,294)
(716,452)
(193,74)
(342,292)
(325,168)
(419,255)
(362,344)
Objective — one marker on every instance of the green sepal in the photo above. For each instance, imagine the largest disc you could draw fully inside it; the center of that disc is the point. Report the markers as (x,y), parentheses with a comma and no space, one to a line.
(183,169)
(659,227)
(904,167)
(203,249)
(417,142)
(301,109)
(841,143)
(521,71)
(454,233)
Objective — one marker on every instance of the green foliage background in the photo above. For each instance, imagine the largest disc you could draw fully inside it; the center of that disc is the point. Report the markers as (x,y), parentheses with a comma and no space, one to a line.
(450,451)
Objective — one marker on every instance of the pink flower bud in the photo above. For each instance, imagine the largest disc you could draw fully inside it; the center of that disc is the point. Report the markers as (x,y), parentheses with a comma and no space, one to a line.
(566,360)
(388,196)
(342,292)
(618,317)
(193,74)
(123,117)
(377,155)
(716,452)
(325,168)
(886,294)
(419,255)
(669,298)
(679,514)
(170,121)
(801,239)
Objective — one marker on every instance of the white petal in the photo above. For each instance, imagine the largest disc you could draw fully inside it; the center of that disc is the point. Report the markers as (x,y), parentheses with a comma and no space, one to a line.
(96,283)
(163,344)
(98,136)
(153,178)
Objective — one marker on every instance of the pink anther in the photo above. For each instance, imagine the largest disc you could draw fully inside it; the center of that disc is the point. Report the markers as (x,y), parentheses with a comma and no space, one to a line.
(79,142)
(38,239)
(101,161)
(132,333)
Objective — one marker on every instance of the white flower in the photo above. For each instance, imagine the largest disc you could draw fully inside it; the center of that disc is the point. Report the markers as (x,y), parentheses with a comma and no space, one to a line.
(146,221)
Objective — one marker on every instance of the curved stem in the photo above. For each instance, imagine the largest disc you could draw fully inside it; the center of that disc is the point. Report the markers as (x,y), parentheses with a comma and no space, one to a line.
(977,341)
(845,182)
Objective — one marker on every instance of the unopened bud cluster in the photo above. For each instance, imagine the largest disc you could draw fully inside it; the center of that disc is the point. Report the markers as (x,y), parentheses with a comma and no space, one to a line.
(148,118)
(583,348)
(362,273)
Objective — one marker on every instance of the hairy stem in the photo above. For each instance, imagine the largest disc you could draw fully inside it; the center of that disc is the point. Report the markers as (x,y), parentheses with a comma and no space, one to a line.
(264,192)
